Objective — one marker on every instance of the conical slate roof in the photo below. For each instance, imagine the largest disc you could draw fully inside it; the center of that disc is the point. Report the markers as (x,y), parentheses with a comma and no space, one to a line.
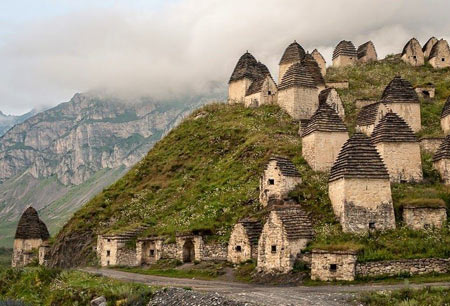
(318,54)
(314,69)
(246,67)
(263,70)
(358,158)
(368,114)
(399,90)
(429,45)
(31,227)
(325,119)
(253,229)
(443,152)
(414,44)
(345,48)
(362,50)
(297,76)
(441,47)
(296,222)
(392,128)
(257,84)
(286,167)
(293,53)
(446,109)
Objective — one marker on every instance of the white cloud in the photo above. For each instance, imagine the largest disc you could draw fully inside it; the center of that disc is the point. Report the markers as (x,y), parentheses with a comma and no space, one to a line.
(184,47)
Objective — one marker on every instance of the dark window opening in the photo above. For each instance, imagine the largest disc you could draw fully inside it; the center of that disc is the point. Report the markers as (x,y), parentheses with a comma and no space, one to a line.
(152,252)
(443,59)
(426,226)
(372,225)
(109,240)
(426,93)
(108,253)
(107,263)
(414,57)
(238,248)
(333,267)
(271,182)
(269,92)
(274,248)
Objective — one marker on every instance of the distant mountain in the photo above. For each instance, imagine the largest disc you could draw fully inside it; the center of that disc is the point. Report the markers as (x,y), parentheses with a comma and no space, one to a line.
(59,158)
(8,121)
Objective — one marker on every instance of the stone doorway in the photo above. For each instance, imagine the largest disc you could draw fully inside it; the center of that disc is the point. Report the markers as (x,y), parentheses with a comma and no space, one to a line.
(188,251)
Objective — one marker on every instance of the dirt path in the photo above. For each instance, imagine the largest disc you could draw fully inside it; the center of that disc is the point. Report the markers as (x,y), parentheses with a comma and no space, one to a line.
(262,295)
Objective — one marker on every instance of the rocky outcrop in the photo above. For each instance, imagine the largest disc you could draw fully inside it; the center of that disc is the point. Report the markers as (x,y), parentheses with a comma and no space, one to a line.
(8,121)
(76,139)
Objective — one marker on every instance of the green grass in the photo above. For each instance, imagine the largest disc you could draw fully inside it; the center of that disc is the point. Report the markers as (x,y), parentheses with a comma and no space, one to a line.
(5,257)
(42,286)
(407,297)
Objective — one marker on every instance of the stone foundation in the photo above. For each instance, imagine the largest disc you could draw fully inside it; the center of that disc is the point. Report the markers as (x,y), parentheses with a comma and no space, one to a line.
(443,166)
(333,265)
(419,218)
(430,144)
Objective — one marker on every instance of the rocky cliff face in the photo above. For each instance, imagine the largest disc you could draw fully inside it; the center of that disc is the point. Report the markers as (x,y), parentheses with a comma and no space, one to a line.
(76,139)
(8,121)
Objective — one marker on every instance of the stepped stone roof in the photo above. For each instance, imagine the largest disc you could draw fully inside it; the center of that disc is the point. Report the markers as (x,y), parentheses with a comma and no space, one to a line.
(316,52)
(296,221)
(429,44)
(325,119)
(310,63)
(446,109)
(443,152)
(439,47)
(247,67)
(368,114)
(257,84)
(31,227)
(362,50)
(253,229)
(344,48)
(293,53)
(392,128)
(399,90)
(286,167)
(297,76)
(358,158)
(323,95)
(413,43)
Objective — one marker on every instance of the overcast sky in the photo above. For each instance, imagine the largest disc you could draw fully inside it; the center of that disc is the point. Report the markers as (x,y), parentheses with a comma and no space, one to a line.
(50,49)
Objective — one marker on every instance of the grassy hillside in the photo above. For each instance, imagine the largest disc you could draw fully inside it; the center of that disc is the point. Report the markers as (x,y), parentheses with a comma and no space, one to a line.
(204,175)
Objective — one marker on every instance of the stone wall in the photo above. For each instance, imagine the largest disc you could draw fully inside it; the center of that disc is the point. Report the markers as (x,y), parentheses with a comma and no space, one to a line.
(362,204)
(215,251)
(419,218)
(281,186)
(337,84)
(334,100)
(299,102)
(148,251)
(371,55)
(44,255)
(115,252)
(320,149)
(25,251)
(342,61)
(333,265)
(414,57)
(396,267)
(360,103)
(237,90)
(239,239)
(403,160)
(275,252)
(126,256)
(410,112)
(443,166)
(267,95)
(169,251)
(430,144)
(445,124)
(425,92)
(189,248)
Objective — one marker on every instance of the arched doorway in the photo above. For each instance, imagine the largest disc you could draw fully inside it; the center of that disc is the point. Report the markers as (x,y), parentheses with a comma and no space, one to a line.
(188,251)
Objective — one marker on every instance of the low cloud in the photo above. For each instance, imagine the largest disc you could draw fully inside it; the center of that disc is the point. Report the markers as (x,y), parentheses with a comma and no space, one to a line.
(191,46)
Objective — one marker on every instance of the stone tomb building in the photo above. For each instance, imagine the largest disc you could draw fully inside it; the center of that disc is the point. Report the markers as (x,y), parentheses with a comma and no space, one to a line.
(31,234)
(149,250)
(262,91)
(419,216)
(427,91)
(320,60)
(359,188)
(441,160)
(399,148)
(116,250)
(344,54)
(243,244)
(400,97)
(293,54)
(323,138)
(285,234)
(280,176)
(440,55)
(428,46)
(314,69)
(412,53)
(445,117)
(366,53)
(331,97)
(298,93)
(369,116)
(333,265)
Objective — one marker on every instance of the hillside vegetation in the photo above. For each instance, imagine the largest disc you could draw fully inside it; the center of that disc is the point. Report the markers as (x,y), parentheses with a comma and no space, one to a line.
(204,176)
